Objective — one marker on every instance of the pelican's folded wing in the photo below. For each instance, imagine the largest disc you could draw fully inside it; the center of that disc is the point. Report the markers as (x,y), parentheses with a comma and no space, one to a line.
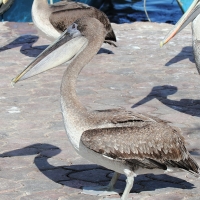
(65,13)
(148,146)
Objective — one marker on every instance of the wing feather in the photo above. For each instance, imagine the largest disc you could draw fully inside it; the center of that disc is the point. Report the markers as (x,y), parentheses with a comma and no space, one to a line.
(65,13)
(155,144)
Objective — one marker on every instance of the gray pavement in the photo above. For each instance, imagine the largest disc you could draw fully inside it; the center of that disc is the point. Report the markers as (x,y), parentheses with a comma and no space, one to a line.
(36,159)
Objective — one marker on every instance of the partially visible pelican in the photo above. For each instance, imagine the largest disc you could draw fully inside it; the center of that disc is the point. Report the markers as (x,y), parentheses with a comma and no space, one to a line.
(192,15)
(2,1)
(53,19)
(5,5)
(125,142)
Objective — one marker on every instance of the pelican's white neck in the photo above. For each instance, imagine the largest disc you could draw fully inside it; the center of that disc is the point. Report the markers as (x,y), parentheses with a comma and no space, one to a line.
(76,116)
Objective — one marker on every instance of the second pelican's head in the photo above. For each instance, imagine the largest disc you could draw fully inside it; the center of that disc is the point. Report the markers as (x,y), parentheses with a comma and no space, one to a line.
(192,12)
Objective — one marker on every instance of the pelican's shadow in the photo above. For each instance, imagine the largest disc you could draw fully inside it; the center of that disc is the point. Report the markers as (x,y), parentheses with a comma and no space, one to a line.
(26,42)
(78,176)
(161,93)
(106,51)
(186,53)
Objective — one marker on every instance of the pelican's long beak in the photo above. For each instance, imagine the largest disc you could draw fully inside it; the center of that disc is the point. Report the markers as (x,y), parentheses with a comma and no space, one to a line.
(192,12)
(61,51)
(5,1)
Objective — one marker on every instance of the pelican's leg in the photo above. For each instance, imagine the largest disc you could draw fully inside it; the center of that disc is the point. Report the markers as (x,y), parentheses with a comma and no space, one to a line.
(113,181)
(103,190)
(129,183)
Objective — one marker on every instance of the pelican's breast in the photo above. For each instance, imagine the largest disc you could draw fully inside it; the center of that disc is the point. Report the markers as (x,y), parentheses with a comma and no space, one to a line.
(196,28)
(73,125)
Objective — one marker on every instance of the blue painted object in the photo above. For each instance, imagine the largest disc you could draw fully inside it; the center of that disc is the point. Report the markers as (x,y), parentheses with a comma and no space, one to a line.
(20,11)
(184,4)
(120,11)
(94,3)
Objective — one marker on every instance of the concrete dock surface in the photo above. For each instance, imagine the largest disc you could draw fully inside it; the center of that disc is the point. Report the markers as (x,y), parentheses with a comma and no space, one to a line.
(37,161)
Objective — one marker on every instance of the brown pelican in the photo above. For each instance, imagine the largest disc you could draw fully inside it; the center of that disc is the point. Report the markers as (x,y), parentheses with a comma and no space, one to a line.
(125,142)
(53,19)
(192,14)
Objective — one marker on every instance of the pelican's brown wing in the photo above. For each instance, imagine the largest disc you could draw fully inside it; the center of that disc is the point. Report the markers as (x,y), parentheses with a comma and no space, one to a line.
(65,13)
(152,146)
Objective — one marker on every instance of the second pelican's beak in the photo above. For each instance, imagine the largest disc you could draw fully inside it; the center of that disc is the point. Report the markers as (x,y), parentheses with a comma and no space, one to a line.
(5,1)
(192,12)
(62,50)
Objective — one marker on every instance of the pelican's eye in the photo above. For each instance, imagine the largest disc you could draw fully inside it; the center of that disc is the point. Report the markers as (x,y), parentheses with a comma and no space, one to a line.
(73,31)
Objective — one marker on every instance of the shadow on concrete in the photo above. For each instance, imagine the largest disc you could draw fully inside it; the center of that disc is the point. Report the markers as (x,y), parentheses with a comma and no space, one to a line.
(26,42)
(78,176)
(103,50)
(186,53)
(187,106)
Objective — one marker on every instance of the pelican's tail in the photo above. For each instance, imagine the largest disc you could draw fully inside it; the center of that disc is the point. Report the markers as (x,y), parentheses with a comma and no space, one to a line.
(188,164)
(111,36)
(194,167)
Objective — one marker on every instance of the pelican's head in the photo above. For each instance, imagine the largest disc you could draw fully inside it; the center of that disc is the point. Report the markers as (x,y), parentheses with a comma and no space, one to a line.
(70,43)
(66,47)
(192,12)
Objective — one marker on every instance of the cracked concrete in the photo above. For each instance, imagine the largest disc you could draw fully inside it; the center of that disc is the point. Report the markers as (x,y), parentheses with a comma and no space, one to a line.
(37,160)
